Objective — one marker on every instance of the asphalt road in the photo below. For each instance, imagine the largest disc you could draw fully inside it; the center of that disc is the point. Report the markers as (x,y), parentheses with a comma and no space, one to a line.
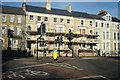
(107,68)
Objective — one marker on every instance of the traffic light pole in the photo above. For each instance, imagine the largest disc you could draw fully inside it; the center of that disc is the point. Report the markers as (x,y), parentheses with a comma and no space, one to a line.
(37,49)
(37,46)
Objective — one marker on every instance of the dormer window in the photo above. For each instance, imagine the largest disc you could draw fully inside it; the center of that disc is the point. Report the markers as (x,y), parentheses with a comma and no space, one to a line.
(109,18)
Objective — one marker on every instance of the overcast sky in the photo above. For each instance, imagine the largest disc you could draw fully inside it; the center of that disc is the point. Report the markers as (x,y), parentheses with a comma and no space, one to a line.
(89,7)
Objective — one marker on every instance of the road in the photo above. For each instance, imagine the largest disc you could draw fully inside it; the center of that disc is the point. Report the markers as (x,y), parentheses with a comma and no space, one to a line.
(100,68)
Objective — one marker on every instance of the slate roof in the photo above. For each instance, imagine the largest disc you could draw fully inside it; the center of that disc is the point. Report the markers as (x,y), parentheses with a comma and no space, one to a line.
(102,13)
(62,12)
(114,19)
(11,10)
(19,11)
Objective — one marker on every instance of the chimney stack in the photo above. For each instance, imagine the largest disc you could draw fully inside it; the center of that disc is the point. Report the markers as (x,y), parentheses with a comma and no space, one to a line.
(48,5)
(68,7)
(24,5)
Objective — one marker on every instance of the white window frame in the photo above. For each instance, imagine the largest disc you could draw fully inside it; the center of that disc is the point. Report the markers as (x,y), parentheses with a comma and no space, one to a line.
(3,31)
(59,29)
(107,35)
(39,17)
(45,19)
(3,18)
(14,44)
(19,19)
(108,25)
(102,25)
(68,21)
(114,35)
(61,20)
(91,24)
(104,46)
(18,30)
(81,22)
(115,46)
(107,46)
(11,28)
(96,24)
(54,19)
(31,17)
(11,19)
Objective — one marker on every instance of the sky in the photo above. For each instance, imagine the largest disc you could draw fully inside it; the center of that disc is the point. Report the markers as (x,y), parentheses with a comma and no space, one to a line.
(89,7)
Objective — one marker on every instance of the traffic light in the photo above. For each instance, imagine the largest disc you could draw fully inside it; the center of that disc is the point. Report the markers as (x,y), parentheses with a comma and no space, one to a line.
(43,28)
(39,30)
(70,36)
(10,33)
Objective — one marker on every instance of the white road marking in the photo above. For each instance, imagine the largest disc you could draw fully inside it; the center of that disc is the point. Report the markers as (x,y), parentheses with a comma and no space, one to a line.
(29,66)
(87,77)
(90,58)
(70,66)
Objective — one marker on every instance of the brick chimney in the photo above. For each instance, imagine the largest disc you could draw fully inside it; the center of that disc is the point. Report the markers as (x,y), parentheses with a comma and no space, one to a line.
(68,7)
(48,5)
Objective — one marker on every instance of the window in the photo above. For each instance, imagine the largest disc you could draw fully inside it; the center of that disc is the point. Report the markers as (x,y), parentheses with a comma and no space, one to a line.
(68,21)
(107,25)
(29,28)
(96,33)
(83,31)
(12,28)
(114,46)
(118,46)
(31,17)
(82,22)
(109,18)
(39,18)
(60,29)
(96,24)
(19,19)
(103,35)
(107,45)
(14,43)
(118,35)
(107,35)
(114,35)
(102,24)
(3,18)
(118,26)
(80,31)
(103,45)
(61,20)
(55,19)
(90,23)
(11,18)
(91,32)
(45,18)
(18,31)
(113,26)
(3,30)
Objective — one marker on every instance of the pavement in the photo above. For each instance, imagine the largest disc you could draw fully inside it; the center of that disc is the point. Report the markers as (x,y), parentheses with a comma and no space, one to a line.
(77,68)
